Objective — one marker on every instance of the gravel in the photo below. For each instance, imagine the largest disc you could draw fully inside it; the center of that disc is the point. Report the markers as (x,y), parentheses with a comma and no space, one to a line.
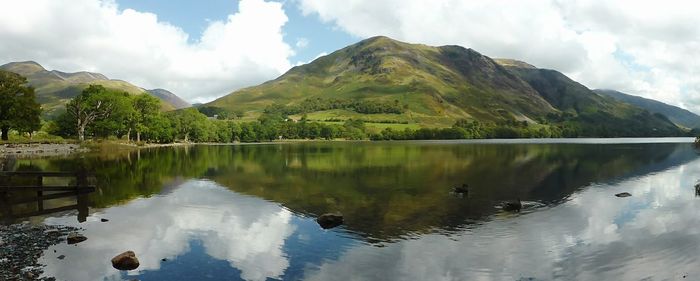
(21,245)
(39,149)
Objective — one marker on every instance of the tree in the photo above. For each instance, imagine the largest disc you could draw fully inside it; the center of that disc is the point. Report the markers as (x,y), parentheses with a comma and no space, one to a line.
(94,103)
(188,122)
(118,123)
(160,130)
(27,113)
(146,108)
(18,107)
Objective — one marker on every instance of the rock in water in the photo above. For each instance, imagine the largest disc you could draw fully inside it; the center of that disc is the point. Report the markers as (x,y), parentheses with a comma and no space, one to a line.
(125,261)
(74,238)
(512,206)
(327,221)
(104,220)
(623,194)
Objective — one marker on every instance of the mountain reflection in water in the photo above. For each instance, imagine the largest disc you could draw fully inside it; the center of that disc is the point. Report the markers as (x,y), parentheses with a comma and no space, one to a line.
(247,212)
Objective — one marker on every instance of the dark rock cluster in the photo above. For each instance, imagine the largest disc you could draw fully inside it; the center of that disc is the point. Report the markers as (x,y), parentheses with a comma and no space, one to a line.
(21,245)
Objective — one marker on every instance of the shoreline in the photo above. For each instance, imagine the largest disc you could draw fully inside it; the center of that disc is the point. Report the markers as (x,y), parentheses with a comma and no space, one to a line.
(28,150)
(22,244)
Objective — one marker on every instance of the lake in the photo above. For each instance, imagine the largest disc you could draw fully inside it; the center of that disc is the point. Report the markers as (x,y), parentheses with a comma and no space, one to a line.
(247,212)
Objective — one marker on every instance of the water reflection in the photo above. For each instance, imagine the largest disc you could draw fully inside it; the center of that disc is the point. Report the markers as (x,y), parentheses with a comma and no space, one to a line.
(26,193)
(246,212)
(241,230)
(653,235)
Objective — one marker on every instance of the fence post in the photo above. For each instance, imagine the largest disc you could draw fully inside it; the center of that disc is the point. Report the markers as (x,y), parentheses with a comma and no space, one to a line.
(40,193)
(4,198)
(82,178)
(81,196)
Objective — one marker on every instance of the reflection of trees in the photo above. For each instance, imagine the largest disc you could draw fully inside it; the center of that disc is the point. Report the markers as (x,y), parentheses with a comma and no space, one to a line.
(391,190)
(384,190)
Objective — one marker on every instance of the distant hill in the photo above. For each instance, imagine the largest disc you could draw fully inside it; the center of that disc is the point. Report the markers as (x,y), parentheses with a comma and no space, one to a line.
(55,88)
(676,114)
(170,98)
(380,79)
(588,108)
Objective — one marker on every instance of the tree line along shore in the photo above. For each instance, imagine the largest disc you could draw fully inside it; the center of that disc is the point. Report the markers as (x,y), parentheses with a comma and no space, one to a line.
(99,113)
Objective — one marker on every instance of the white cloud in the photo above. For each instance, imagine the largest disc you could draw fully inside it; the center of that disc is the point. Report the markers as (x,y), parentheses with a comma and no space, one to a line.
(647,48)
(72,35)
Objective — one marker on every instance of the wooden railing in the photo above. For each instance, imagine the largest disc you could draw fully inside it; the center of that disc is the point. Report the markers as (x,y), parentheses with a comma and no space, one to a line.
(79,188)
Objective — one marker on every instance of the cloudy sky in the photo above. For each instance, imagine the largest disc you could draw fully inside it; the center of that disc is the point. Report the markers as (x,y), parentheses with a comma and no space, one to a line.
(205,49)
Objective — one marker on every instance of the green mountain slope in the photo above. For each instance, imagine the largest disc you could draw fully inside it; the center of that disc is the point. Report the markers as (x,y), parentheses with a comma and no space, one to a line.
(380,79)
(436,85)
(587,110)
(676,114)
(55,88)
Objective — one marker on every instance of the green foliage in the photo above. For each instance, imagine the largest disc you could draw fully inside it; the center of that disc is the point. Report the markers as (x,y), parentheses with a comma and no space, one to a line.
(159,130)
(104,113)
(118,123)
(146,108)
(18,107)
(189,124)
(464,129)
(100,110)
(319,104)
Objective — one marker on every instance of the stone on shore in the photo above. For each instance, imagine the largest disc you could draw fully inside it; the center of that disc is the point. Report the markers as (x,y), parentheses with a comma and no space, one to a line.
(125,261)
(22,246)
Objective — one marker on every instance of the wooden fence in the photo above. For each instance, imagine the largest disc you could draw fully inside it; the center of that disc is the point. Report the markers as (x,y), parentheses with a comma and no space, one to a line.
(35,182)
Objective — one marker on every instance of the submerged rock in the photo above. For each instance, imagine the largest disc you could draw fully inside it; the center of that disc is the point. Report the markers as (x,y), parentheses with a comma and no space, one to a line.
(125,261)
(75,238)
(623,194)
(330,220)
(512,206)
(464,189)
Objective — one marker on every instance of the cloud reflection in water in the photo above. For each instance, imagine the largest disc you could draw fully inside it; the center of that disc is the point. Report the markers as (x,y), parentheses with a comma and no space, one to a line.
(238,229)
(594,236)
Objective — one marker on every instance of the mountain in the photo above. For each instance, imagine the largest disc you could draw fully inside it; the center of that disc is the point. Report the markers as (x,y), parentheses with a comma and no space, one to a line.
(590,111)
(170,98)
(676,114)
(436,85)
(381,80)
(55,88)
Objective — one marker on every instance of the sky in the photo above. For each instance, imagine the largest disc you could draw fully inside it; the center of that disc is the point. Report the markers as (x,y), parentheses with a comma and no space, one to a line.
(201,50)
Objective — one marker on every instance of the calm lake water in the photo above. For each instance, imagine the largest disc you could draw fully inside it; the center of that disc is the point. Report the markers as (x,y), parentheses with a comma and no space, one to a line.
(247,212)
